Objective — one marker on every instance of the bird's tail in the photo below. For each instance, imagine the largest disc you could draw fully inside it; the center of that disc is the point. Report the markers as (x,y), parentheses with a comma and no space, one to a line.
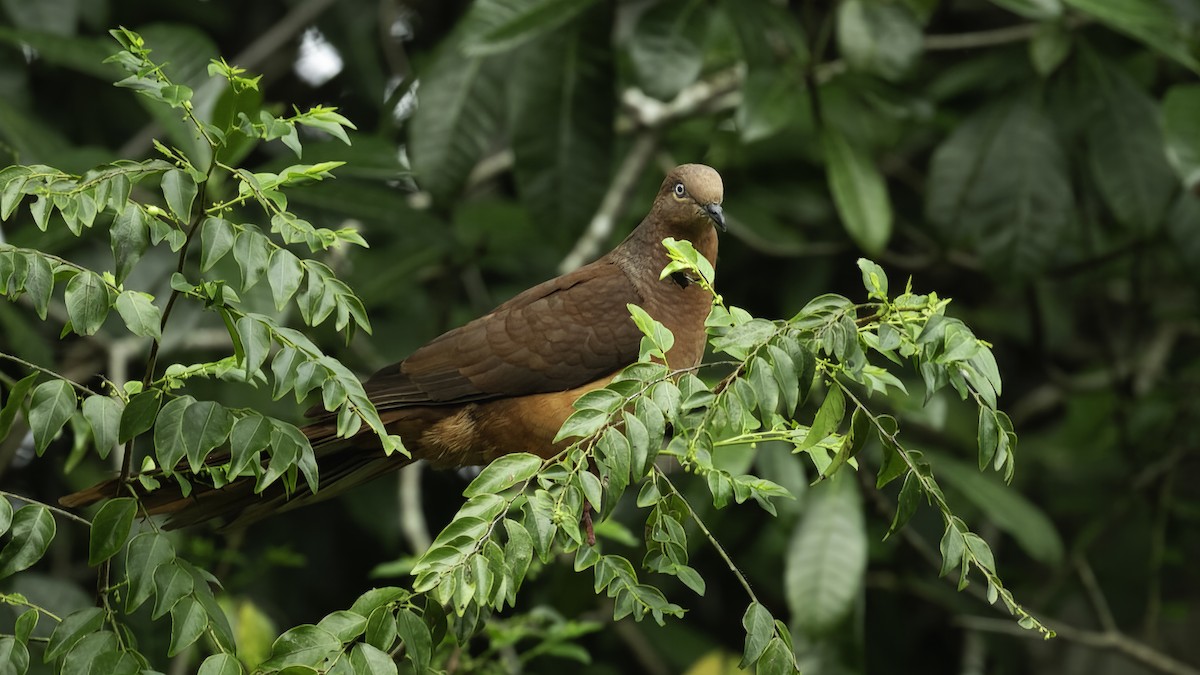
(342,464)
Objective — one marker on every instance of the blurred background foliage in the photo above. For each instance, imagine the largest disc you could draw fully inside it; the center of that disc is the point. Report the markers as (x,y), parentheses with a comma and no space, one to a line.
(1036,160)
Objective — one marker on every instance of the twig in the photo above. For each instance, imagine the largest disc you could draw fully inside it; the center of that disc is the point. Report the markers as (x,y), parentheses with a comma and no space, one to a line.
(47,371)
(1088,578)
(620,189)
(994,37)
(1107,640)
(300,17)
(62,512)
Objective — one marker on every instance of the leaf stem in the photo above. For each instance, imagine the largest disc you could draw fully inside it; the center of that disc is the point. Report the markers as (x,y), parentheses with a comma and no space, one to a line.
(18,360)
(62,512)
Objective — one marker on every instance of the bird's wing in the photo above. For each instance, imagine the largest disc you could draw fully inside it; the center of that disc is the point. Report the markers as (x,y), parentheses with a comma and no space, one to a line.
(559,335)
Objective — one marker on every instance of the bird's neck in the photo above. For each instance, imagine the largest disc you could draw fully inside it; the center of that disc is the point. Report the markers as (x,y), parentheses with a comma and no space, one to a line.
(643,247)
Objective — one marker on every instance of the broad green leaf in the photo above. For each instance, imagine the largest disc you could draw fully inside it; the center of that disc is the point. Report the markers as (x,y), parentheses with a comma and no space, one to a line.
(138,416)
(284,274)
(951,547)
(1181,118)
(344,625)
(256,342)
(103,415)
(878,37)
(777,659)
(1149,21)
(110,529)
(1008,509)
(829,417)
(188,623)
(252,251)
(172,583)
(304,645)
(72,629)
(146,553)
(6,515)
(1125,142)
(827,556)
(180,191)
(1038,10)
(87,302)
(14,655)
(418,643)
(30,535)
(96,649)
(770,99)
(503,473)
(999,183)
(461,106)
(859,192)
(221,664)
(39,284)
(760,627)
(12,404)
(51,405)
(1050,46)
(665,46)
(532,20)
(170,441)
(216,240)
(562,100)
(141,315)
(369,660)
(129,238)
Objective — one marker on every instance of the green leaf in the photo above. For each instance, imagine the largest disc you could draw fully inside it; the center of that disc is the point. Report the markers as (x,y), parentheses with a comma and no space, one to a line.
(39,284)
(777,659)
(141,315)
(531,20)
(665,48)
(256,342)
(304,645)
(129,238)
(221,664)
(859,192)
(92,652)
(504,473)
(284,274)
(103,415)
(31,533)
(760,628)
(72,629)
(829,417)
(1037,10)
(180,190)
(216,240)
(252,251)
(369,660)
(146,553)
(138,416)
(1000,184)
(952,547)
(1050,46)
(418,643)
(172,583)
(1181,121)
(906,503)
(188,623)
(110,529)
(14,655)
(51,405)
(1149,21)
(462,104)
(827,556)
(562,96)
(1125,142)
(6,515)
(344,625)
(878,37)
(169,437)
(12,404)
(87,302)
(1008,509)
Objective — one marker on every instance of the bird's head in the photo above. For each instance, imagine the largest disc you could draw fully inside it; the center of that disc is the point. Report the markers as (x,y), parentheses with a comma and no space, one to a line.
(692,193)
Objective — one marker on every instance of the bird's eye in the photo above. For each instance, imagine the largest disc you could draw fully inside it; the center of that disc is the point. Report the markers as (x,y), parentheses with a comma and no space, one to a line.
(679,191)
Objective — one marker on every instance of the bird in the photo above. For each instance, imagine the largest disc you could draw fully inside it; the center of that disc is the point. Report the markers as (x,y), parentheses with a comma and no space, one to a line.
(504,382)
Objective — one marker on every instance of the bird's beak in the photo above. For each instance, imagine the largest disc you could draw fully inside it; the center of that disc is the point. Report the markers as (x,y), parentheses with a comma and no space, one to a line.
(718,216)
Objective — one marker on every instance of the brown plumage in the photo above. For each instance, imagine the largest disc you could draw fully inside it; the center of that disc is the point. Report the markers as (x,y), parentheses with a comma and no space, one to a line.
(504,382)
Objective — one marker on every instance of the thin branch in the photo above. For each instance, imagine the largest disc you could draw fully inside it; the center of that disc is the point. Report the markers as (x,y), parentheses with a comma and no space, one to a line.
(620,189)
(1088,578)
(412,514)
(46,371)
(1107,640)
(62,512)
(993,37)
